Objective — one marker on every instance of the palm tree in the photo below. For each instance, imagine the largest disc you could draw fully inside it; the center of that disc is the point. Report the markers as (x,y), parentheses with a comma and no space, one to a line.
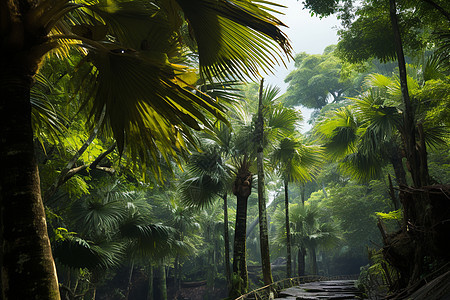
(263,231)
(209,178)
(369,130)
(242,187)
(183,220)
(132,47)
(308,233)
(270,123)
(295,163)
(113,229)
(379,132)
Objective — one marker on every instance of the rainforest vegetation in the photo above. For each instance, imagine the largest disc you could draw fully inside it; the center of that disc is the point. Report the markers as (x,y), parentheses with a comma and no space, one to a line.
(143,156)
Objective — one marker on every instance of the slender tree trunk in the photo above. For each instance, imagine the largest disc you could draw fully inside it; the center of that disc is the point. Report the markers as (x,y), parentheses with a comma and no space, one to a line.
(445,13)
(226,239)
(242,189)
(28,269)
(151,290)
(288,232)
(324,191)
(62,176)
(176,272)
(161,285)
(130,281)
(417,160)
(409,128)
(301,261)
(263,231)
(303,194)
(239,256)
(397,164)
(424,175)
(314,261)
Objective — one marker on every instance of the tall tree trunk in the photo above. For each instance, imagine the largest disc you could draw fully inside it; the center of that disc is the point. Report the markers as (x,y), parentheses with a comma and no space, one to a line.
(263,231)
(288,232)
(397,164)
(303,193)
(160,292)
(409,128)
(130,281)
(301,261)
(226,239)
(28,269)
(151,290)
(417,160)
(314,260)
(241,188)
(176,272)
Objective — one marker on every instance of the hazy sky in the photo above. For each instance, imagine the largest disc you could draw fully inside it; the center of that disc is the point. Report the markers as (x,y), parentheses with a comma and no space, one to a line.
(307,34)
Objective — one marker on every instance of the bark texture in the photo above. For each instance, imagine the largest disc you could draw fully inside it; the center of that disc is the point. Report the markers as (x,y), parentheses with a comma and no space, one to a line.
(226,239)
(288,232)
(241,189)
(418,170)
(263,231)
(28,269)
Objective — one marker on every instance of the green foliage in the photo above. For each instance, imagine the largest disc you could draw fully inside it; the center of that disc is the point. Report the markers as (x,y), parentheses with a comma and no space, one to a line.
(354,207)
(368,131)
(375,277)
(367,31)
(316,79)
(392,215)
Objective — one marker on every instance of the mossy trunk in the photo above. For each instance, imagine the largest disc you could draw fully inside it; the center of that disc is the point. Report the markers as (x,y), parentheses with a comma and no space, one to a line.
(151,290)
(160,288)
(242,189)
(28,269)
(263,230)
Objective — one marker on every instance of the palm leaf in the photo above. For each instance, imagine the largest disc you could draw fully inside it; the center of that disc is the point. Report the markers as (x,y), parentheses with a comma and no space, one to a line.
(47,122)
(234,38)
(76,252)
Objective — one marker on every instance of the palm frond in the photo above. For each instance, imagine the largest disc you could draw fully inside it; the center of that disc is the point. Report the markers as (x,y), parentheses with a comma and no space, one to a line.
(282,120)
(145,108)
(234,38)
(295,161)
(339,133)
(76,252)
(46,120)
(96,218)
(362,166)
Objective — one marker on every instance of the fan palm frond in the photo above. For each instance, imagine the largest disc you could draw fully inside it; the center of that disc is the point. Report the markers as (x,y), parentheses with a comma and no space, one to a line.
(295,161)
(46,120)
(76,252)
(362,166)
(339,133)
(96,218)
(234,38)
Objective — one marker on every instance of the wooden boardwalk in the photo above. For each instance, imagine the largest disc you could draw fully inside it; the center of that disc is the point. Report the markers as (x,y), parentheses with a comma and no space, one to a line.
(331,289)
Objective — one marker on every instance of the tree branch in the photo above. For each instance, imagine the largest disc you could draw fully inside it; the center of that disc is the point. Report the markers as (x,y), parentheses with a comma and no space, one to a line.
(94,165)
(61,178)
(439,8)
